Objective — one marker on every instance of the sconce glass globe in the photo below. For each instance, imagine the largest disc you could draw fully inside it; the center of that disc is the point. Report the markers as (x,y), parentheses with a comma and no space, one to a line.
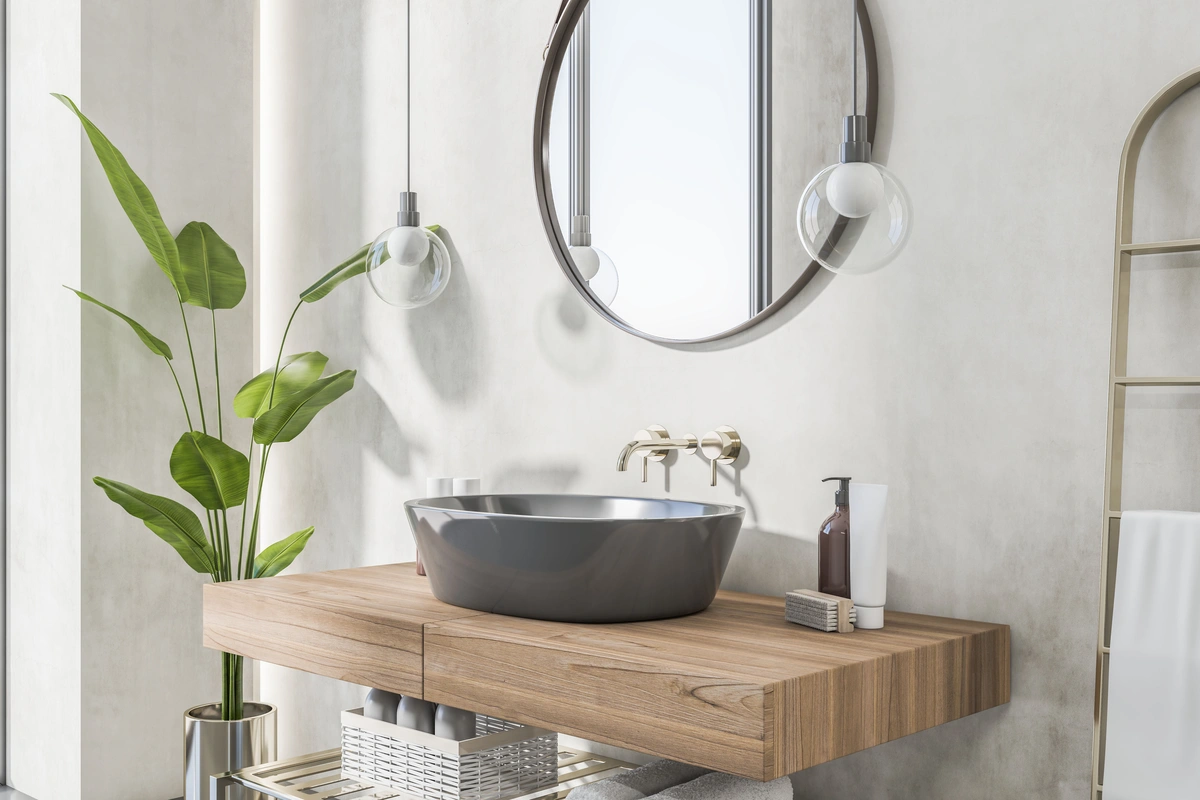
(408,266)
(854,218)
(604,282)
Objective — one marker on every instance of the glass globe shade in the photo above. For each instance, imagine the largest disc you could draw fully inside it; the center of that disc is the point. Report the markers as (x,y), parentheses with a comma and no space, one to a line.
(403,280)
(605,281)
(847,244)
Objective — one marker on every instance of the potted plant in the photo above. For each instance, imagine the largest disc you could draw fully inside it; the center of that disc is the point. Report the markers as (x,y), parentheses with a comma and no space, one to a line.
(204,271)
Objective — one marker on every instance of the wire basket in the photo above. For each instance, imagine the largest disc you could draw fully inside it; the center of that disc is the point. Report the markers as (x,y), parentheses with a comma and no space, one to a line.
(503,760)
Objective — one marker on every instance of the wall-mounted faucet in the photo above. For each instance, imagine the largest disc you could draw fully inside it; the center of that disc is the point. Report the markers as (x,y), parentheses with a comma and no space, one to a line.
(720,446)
(655,443)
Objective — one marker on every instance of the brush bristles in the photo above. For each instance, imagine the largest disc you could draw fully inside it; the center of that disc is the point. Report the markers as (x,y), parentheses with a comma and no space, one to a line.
(815,610)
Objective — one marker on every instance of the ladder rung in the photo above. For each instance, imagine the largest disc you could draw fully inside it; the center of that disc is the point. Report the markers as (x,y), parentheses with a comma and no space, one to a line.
(1112,515)
(1127,381)
(1155,248)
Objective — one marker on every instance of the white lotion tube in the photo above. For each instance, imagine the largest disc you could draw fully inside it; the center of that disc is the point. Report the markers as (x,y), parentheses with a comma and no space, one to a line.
(868,553)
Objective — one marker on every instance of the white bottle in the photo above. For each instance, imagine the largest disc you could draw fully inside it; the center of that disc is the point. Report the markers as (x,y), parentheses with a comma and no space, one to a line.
(868,553)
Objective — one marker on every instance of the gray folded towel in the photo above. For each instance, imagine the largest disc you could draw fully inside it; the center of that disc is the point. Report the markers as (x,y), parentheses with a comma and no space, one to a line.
(719,786)
(638,783)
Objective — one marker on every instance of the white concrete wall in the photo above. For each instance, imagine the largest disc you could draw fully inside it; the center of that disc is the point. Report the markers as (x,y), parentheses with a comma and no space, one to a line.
(970,375)
(44,422)
(106,651)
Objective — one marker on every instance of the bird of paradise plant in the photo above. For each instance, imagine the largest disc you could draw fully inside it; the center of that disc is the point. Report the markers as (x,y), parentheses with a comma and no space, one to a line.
(204,271)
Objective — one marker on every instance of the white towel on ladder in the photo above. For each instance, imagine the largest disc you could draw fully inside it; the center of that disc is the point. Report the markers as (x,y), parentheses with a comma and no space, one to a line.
(1152,748)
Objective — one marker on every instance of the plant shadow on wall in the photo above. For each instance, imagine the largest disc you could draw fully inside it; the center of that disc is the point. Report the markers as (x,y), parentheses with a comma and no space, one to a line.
(204,271)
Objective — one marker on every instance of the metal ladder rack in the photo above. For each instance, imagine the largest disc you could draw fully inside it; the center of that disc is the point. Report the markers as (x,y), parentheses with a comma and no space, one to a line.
(1119,383)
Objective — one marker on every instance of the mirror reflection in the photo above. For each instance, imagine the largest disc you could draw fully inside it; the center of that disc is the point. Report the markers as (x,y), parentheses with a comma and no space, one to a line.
(682,134)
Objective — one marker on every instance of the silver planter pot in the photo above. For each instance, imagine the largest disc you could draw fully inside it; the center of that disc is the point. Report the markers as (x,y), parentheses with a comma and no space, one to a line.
(214,746)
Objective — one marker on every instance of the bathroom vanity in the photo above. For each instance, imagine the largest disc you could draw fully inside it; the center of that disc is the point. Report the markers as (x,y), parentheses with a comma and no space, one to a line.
(734,688)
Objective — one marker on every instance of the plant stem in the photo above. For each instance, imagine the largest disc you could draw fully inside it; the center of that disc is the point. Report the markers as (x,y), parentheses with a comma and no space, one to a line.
(231,687)
(262,467)
(225,543)
(262,473)
(278,359)
(217,373)
(195,374)
(186,413)
(212,540)
(246,507)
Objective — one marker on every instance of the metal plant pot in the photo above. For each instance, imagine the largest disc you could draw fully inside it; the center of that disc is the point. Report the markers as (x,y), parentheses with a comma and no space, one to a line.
(214,746)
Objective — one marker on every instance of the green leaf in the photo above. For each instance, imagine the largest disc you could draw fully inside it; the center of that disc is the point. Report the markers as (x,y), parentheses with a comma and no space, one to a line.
(285,421)
(174,523)
(215,278)
(210,470)
(352,266)
(156,345)
(295,373)
(276,558)
(137,201)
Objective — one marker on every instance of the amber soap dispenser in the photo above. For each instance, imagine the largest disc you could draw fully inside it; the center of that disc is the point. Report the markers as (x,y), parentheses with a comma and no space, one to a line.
(833,544)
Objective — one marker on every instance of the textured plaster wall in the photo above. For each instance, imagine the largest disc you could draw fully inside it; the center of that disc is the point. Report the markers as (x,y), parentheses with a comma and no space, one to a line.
(970,376)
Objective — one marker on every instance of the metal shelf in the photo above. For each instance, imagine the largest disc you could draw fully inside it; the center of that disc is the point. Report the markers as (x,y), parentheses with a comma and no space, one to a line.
(1156,248)
(1161,381)
(318,776)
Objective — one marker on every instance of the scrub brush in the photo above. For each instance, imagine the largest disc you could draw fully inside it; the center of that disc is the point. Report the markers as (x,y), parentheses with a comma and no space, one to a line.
(825,612)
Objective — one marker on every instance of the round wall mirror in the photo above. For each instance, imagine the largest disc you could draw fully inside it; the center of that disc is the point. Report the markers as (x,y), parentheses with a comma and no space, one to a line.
(672,142)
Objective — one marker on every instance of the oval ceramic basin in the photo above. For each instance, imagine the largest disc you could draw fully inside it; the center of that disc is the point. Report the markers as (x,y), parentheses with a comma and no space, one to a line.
(574,558)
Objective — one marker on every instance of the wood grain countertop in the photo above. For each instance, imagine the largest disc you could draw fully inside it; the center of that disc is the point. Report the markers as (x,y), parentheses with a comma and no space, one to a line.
(735,688)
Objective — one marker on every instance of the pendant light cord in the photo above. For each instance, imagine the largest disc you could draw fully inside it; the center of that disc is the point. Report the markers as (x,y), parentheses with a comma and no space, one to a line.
(854,57)
(408,92)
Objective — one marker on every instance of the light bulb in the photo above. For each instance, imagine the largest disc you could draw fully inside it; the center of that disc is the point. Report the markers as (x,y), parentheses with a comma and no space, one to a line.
(855,189)
(408,244)
(398,277)
(587,260)
(846,243)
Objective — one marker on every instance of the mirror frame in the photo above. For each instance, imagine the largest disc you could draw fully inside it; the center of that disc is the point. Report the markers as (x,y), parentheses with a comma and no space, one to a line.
(554,57)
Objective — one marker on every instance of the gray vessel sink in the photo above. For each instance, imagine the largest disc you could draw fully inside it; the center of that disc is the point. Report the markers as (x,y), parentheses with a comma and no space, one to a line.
(574,558)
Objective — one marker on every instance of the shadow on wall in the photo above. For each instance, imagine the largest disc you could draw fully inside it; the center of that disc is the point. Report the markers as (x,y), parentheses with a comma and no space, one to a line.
(444,336)
(535,478)
(382,437)
(572,336)
(770,563)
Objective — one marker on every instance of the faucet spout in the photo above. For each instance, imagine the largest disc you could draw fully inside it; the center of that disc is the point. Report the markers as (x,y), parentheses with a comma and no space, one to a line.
(655,443)
(628,450)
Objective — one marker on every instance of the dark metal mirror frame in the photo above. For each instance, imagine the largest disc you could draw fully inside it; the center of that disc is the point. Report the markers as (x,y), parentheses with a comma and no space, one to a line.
(555,57)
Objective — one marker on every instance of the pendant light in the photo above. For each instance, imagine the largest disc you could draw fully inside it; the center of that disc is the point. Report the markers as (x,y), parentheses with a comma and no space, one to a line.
(855,216)
(408,265)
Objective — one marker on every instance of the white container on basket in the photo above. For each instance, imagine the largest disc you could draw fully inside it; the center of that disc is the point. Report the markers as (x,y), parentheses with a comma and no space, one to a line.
(503,760)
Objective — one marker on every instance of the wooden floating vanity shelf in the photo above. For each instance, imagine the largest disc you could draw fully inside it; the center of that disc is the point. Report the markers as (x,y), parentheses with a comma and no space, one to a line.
(734,688)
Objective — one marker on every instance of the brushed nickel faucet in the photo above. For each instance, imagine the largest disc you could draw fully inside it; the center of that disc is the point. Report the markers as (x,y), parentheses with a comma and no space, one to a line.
(655,443)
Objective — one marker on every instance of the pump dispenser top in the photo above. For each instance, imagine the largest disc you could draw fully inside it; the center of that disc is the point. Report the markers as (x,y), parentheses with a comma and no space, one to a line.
(842,496)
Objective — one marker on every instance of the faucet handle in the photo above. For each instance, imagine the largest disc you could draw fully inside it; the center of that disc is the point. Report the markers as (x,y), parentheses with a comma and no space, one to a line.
(655,433)
(722,446)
